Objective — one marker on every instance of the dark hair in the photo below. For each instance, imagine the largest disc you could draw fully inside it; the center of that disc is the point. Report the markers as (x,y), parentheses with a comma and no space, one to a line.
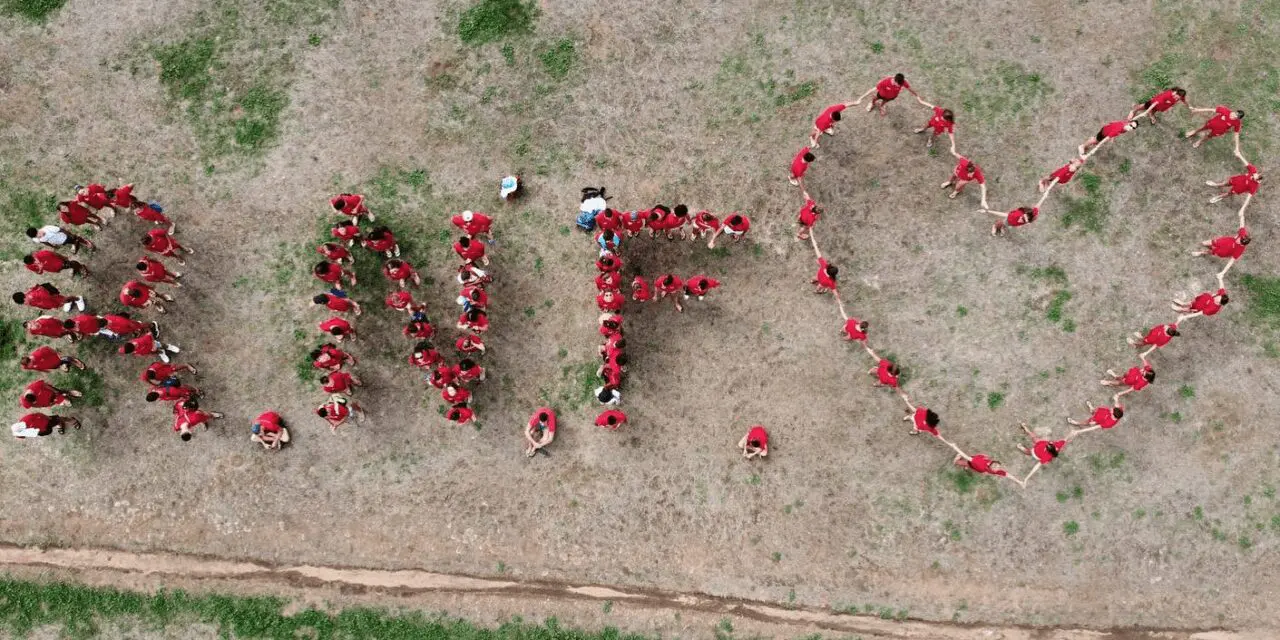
(464,242)
(133,293)
(668,278)
(544,416)
(1032,213)
(379,233)
(1118,412)
(1224,299)
(322,412)
(734,219)
(1174,332)
(1149,375)
(186,437)
(755,444)
(466,363)
(31,232)
(393,263)
(422,346)
(320,299)
(190,403)
(620,344)
(612,419)
(68,324)
(322,267)
(453,413)
(29,397)
(1246,240)
(315,353)
(142,265)
(19,297)
(893,369)
(948,115)
(681,211)
(835,116)
(28,259)
(340,204)
(661,207)
(621,360)
(862,326)
(899,78)
(1240,114)
(146,240)
(152,396)
(832,270)
(809,157)
(605,395)
(337,330)
(1180,91)
(1052,449)
(128,347)
(474,314)
(345,223)
(931,418)
(324,379)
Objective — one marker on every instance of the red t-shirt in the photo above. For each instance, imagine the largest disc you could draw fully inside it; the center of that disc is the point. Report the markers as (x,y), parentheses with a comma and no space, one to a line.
(737,223)
(883,374)
(1103,417)
(611,419)
(700,285)
(822,279)
(921,425)
(143,345)
(386,242)
(1114,129)
(469,344)
(1223,120)
(608,281)
(982,464)
(612,304)
(466,375)
(825,120)
(962,171)
(1017,218)
(122,325)
(799,165)
(169,394)
(808,217)
(1165,100)
(479,223)
(851,331)
(668,283)
(1159,335)
(150,214)
(343,231)
(640,290)
(940,124)
(38,421)
(1135,377)
(130,300)
(340,324)
(43,359)
(1207,303)
(154,271)
(160,242)
(339,304)
(1227,247)
(460,415)
(73,213)
(1041,449)
(40,298)
(269,422)
(706,221)
(608,263)
(352,204)
(400,299)
(442,376)
(397,271)
(1245,182)
(473,251)
(336,411)
(86,324)
(157,371)
(333,252)
(46,260)
(888,89)
(339,381)
(51,327)
(123,196)
(758,434)
(419,329)
(476,295)
(633,221)
(44,395)
(96,196)
(332,275)
(549,424)
(481,323)
(424,359)
(1064,174)
(458,395)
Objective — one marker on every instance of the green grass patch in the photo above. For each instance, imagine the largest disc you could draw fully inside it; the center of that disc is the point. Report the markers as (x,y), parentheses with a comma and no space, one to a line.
(1071,527)
(13,345)
(995,400)
(796,93)
(1091,212)
(1054,310)
(81,612)
(559,58)
(1187,391)
(492,20)
(33,10)
(1052,274)
(87,381)
(186,67)
(1263,301)
(21,208)
(1004,93)
(578,383)
(256,116)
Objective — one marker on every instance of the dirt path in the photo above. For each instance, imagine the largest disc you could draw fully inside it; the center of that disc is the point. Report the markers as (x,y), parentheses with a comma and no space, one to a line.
(485,599)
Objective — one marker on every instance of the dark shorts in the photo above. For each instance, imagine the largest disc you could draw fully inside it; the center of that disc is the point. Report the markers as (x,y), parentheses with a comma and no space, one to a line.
(883,98)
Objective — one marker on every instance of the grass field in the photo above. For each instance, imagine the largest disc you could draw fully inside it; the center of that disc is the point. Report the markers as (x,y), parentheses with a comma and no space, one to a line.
(241,118)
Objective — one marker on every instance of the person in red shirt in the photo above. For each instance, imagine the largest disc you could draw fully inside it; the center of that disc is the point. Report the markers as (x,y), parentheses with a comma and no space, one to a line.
(799,165)
(470,250)
(1205,304)
(161,373)
(705,223)
(609,263)
(42,395)
(330,358)
(160,242)
(539,431)
(334,252)
(675,221)
(755,444)
(147,345)
(966,171)
(332,273)
(269,431)
(94,196)
(982,463)
(74,213)
(809,214)
(669,285)
(473,223)
(140,296)
(825,123)
(1015,218)
(346,231)
(886,373)
(187,415)
(454,395)
(610,324)
(698,286)
(1061,175)
(338,301)
(1107,132)
(469,344)
(171,393)
(382,240)
(474,320)
(608,241)
(351,204)
(152,213)
(38,425)
(122,198)
(338,410)
(339,328)
(1228,247)
(609,301)
(611,419)
(467,371)
(402,300)
(923,420)
(339,382)
(441,376)
(1136,378)
(886,91)
(608,219)
(474,297)
(401,272)
(1223,120)
(84,325)
(856,330)
(46,261)
(419,328)
(825,281)
(460,415)
(155,271)
(1160,103)
(424,355)
(942,121)
(735,226)
(122,325)
(640,290)
(1157,337)
(1101,418)
(46,297)
(1042,450)
(1246,184)
(48,327)
(609,281)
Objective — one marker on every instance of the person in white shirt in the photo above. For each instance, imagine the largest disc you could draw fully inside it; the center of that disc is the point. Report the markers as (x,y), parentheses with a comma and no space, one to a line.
(55,236)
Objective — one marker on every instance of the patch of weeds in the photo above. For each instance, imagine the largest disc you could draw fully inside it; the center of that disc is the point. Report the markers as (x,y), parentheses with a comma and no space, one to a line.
(1139,514)
(23,208)
(13,343)
(608,606)
(1102,462)
(565,230)
(1263,302)
(1069,325)
(300,12)
(1091,211)
(754,480)
(961,311)
(796,93)
(1054,311)
(904,372)
(995,400)
(1245,543)
(1197,513)
(559,58)
(257,116)
(304,369)
(1071,527)
(1053,274)
(562,353)
(87,381)
(776,556)
(1187,391)
(33,10)
(509,54)
(1004,93)
(578,382)
(877,47)
(1125,167)
(502,567)
(315,39)
(1176,417)
(952,531)
(492,20)
(529,312)
(186,67)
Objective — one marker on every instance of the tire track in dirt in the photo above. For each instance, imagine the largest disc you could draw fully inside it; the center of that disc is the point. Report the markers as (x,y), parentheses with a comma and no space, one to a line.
(402,583)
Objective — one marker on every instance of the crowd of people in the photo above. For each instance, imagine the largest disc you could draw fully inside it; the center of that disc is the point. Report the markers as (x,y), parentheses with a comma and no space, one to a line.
(1042,449)
(95,206)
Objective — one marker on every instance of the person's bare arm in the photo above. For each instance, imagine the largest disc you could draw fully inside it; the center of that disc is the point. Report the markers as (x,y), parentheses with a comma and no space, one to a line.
(953,148)
(863,97)
(983,188)
(528,437)
(1240,155)
(1200,110)
(922,100)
